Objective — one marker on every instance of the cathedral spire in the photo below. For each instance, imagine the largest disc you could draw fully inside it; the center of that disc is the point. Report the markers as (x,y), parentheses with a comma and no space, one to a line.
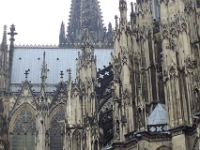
(87,42)
(133,14)
(62,39)
(42,110)
(85,12)
(123,11)
(43,75)
(4,41)
(4,80)
(110,33)
(87,35)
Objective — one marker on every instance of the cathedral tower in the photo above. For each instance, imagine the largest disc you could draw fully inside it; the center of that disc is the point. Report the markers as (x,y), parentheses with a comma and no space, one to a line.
(85,12)
(123,110)
(62,38)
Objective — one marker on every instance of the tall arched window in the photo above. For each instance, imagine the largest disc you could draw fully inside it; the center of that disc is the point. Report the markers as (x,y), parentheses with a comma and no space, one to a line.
(56,131)
(24,131)
(76,143)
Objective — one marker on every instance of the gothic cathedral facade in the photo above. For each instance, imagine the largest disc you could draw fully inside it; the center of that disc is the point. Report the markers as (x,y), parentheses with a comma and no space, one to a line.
(132,87)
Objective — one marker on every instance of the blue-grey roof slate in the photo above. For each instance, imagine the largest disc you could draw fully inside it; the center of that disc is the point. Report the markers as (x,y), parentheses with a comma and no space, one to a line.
(158,115)
(56,59)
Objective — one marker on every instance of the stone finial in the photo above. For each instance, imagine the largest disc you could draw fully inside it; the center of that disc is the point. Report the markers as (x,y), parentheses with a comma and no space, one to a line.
(61,74)
(116,21)
(69,72)
(44,68)
(4,41)
(132,8)
(5,27)
(87,34)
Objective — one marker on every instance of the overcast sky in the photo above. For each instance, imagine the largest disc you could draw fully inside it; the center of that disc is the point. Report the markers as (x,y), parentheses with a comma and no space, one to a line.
(38,21)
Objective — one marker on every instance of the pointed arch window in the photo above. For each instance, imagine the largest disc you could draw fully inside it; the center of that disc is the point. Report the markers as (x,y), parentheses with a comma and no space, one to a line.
(57,130)
(24,131)
(76,140)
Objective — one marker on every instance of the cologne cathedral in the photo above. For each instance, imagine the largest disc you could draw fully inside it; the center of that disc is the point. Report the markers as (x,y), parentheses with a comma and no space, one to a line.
(131,86)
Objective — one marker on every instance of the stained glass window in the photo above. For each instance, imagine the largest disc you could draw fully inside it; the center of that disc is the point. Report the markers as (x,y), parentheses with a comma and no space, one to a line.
(24,131)
(56,131)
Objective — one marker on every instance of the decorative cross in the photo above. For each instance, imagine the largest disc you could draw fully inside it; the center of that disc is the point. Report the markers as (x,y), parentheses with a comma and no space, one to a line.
(26,73)
(12,33)
(61,74)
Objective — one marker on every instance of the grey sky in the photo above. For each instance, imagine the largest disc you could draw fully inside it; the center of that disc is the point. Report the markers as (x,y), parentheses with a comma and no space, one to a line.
(38,21)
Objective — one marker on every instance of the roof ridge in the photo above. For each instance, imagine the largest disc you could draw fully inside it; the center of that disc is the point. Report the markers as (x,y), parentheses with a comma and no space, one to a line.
(36,46)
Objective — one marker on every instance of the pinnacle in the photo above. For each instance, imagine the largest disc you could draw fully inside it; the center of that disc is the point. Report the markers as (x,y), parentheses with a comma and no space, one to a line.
(62,24)
(90,15)
(4,41)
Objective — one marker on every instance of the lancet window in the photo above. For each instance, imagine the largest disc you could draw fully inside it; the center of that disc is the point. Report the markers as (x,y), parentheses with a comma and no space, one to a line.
(57,130)
(24,131)
(76,140)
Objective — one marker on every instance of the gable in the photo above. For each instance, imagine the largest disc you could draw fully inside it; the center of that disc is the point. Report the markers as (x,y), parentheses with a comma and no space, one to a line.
(25,97)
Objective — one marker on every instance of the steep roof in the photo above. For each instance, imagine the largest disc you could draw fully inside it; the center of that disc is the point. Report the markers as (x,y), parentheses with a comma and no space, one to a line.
(56,59)
(158,116)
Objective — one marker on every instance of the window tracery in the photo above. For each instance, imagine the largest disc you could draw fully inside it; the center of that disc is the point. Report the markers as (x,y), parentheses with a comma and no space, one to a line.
(57,130)
(24,131)
(76,140)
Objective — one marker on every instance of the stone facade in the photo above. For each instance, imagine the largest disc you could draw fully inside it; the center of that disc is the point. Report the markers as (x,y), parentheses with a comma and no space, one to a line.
(156,62)
(147,98)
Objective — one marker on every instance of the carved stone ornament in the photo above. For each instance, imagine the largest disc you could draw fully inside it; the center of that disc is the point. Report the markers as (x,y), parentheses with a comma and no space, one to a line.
(172,71)
(165,34)
(116,69)
(62,96)
(189,65)
(173,31)
(117,128)
(124,57)
(184,26)
(25,97)
(126,94)
(75,91)
(76,134)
